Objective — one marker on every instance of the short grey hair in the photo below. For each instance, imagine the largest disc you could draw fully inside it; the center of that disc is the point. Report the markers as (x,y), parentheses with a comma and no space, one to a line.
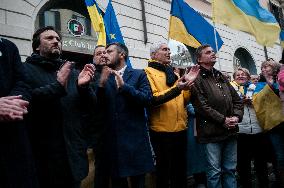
(156,46)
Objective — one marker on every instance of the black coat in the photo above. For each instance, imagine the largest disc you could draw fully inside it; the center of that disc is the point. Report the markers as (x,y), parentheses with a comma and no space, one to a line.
(55,122)
(16,162)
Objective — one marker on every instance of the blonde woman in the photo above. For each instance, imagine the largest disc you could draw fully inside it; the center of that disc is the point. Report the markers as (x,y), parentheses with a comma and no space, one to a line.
(251,139)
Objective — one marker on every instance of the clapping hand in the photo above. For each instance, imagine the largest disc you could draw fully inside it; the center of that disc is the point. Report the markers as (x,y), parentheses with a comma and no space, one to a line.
(192,74)
(187,80)
(86,75)
(119,79)
(64,73)
(106,71)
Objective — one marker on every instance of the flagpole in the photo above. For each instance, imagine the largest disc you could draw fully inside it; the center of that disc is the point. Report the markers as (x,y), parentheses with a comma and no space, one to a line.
(265,52)
(216,44)
(215,35)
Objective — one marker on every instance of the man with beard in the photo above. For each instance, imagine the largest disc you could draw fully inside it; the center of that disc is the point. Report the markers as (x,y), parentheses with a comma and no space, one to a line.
(16,163)
(97,114)
(125,93)
(218,110)
(55,125)
(96,118)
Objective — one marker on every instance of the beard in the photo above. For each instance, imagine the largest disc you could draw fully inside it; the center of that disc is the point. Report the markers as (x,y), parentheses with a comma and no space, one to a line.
(114,64)
(54,55)
(51,53)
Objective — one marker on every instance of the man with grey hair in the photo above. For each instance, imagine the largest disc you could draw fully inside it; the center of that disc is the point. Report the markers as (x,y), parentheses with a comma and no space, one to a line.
(168,117)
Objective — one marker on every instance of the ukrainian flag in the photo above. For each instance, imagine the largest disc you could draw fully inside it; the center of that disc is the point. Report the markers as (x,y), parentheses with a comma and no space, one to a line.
(268,106)
(282,38)
(248,16)
(97,21)
(190,28)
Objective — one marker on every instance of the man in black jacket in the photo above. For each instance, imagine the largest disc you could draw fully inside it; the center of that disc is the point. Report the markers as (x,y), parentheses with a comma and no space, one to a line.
(56,129)
(98,126)
(218,110)
(16,163)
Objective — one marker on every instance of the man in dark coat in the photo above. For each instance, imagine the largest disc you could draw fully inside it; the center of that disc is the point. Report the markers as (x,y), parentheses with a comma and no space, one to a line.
(16,163)
(218,110)
(97,128)
(125,92)
(56,129)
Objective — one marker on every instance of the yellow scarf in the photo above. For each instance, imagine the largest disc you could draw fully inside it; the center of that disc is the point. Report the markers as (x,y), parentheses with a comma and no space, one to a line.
(238,87)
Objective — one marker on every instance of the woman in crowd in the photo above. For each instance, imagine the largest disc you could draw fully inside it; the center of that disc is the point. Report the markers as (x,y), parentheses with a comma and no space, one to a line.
(251,139)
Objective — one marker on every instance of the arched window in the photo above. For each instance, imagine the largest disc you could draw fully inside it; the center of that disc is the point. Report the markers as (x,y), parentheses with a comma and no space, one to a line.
(242,58)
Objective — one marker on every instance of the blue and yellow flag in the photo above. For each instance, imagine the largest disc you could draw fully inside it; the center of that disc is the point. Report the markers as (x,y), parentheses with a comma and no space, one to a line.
(190,28)
(282,38)
(112,27)
(97,20)
(248,16)
(268,106)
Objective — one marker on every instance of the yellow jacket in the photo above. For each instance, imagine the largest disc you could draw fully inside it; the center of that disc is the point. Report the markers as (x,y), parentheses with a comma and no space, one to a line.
(170,116)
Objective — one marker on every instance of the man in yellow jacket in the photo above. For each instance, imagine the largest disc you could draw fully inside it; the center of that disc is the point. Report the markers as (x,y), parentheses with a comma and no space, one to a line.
(168,116)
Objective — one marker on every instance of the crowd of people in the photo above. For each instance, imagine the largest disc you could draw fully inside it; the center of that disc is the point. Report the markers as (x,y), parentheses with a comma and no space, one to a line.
(172,124)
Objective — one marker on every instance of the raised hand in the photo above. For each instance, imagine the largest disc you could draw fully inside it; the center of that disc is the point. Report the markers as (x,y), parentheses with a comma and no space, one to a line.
(119,79)
(192,74)
(86,75)
(106,71)
(64,73)
(182,84)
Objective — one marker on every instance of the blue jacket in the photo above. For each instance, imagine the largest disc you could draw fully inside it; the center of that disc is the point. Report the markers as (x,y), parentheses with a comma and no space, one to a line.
(126,142)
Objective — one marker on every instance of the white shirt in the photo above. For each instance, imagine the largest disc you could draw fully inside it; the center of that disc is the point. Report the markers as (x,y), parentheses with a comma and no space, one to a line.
(121,71)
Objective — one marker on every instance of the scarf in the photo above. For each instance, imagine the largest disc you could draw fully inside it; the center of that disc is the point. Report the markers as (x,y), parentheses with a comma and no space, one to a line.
(52,64)
(171,77)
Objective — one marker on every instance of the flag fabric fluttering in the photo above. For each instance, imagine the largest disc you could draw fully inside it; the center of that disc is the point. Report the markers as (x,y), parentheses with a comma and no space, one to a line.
(113,33)
(268,112)
(97,20)
(190,28)
(248,16)
(282,38)
(111,25)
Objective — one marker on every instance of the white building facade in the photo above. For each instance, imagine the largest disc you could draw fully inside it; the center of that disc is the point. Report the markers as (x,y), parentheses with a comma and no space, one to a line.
(142,22)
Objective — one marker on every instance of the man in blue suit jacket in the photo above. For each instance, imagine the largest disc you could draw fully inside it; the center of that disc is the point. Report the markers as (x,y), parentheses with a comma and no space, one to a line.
(125,92)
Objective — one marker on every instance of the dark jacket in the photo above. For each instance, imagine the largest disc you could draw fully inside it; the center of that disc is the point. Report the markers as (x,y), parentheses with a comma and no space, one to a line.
(16,162)
(95,117)
(55,121)
(214,99)
(126,143)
